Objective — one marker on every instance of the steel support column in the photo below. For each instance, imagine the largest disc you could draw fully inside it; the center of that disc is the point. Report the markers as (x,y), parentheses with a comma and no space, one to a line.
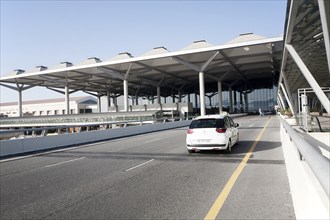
(108,101)
(220,97)
(67,99)
(281,99)
(125,95)
(202,93)
(279,102)
(290,100)
(287,98)
(324,7)
(180,97)
(158,95)
(136,100)
(235,101)
(246,102)
(241,102)
(99,102)
(230,100)
(20,109)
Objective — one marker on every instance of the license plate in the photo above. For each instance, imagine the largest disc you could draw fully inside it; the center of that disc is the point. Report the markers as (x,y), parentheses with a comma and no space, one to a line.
(203,141)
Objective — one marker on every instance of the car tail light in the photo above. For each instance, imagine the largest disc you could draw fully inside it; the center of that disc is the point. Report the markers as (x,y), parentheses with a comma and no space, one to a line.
(190,131)
(221,130)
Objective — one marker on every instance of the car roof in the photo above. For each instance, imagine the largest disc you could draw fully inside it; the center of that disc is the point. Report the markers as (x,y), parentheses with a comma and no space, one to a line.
(219,116)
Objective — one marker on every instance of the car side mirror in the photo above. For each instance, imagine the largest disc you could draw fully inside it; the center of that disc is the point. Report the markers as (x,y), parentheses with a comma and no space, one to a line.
(236,125)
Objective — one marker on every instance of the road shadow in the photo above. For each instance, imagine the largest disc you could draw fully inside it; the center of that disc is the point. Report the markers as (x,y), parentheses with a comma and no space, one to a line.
(236,156)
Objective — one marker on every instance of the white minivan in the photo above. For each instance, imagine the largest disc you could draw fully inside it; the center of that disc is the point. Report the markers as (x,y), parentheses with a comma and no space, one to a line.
(212,132)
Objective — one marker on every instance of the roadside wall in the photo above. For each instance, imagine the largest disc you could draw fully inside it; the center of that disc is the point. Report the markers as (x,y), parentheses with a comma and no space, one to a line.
(25,145)
(309,198)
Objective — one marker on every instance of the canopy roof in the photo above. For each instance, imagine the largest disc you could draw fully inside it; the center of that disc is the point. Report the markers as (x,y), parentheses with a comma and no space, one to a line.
(246,63)
(306,36)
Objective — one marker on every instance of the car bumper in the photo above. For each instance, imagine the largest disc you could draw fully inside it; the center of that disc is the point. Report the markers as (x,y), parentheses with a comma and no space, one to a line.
(207,147)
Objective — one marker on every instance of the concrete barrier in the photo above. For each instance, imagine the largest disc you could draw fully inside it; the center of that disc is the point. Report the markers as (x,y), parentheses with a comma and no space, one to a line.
(309,198)
(27,145)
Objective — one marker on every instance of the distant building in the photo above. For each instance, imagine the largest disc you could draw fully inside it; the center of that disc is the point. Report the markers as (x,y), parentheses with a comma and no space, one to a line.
(78,105)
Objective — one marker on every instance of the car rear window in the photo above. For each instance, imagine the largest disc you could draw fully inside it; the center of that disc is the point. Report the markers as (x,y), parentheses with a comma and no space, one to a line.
(207,123)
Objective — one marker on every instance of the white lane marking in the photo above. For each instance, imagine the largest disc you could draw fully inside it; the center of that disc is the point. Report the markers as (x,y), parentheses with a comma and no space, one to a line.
(141,164)
(152,140)
(68,161)
(250,125)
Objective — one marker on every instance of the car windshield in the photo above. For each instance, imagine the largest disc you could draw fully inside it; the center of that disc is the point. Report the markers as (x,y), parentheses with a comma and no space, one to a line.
(207,123)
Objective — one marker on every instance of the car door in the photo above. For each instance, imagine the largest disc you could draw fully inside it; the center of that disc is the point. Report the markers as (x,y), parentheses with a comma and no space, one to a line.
(228,127)
(234,130)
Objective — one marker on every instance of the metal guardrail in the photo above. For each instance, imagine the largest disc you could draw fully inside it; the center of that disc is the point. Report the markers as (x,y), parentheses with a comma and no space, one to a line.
(318,163)
(55,120)
(318,122)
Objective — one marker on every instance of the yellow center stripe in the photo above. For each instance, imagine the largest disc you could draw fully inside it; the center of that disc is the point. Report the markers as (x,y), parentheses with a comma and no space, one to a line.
(215,209)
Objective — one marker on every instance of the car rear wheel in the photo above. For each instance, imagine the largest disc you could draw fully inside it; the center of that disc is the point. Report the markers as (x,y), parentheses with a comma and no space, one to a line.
(237,139)
(191,151)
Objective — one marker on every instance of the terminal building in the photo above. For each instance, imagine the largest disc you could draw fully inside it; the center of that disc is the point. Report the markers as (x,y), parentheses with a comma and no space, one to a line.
(78,105)
(248,73)
(239,76)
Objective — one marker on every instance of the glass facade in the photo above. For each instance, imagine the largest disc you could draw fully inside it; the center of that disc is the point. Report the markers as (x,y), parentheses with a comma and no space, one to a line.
(262,98)
(265,99)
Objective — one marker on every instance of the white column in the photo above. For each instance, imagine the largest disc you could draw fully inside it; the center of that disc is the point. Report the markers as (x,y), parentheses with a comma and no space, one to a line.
(179,94)
(230,100)
(220,97)
(158,95)
(287,88)
(20,111)
(67,100)
(99,103)
(125,95)
(235,101)
(287,99)
(136,100)
(281,99)
(108,101)
(246,102)
(279,102)
(202,93)
(115,103)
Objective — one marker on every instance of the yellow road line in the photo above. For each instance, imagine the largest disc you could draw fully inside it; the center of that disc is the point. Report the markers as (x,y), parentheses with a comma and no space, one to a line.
(215,209)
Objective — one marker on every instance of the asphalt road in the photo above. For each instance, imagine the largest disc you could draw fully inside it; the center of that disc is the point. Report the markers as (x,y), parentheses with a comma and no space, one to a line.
(152,176)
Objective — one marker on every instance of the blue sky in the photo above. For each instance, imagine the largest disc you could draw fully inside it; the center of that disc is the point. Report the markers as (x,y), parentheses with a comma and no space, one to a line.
(35,33)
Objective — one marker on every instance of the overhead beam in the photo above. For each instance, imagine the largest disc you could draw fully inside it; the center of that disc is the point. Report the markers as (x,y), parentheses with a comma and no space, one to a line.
(206,64)
(56,81)
(128,71)
(232,64)
(112,72)
(187,64)
(164,72)
(309,77)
